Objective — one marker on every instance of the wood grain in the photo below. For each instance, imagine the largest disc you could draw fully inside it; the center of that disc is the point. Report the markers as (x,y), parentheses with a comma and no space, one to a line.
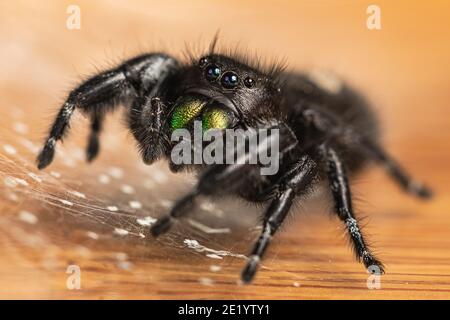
(403,69)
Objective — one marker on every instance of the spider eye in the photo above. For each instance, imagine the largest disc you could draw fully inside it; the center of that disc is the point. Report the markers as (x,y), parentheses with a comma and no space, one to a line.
(203,61)
(230,80)
(212,72)
(249,82)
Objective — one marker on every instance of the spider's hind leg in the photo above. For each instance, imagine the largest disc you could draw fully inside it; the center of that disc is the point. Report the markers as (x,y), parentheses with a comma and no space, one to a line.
(396,171)
(348,136)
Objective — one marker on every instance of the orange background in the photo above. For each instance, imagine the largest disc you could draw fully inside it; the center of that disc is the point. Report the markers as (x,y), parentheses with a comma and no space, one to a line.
(403,69)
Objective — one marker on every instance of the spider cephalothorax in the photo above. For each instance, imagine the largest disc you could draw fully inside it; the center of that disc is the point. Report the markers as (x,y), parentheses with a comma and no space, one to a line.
(324,134)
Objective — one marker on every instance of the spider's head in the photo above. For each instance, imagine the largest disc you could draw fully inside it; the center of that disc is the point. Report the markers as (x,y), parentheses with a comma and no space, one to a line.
(224,92)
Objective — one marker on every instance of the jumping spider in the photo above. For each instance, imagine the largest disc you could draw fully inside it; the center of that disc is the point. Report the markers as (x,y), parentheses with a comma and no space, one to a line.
(326,134)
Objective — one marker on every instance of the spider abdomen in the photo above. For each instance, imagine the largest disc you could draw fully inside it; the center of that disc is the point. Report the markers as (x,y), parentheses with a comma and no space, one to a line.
(346,109)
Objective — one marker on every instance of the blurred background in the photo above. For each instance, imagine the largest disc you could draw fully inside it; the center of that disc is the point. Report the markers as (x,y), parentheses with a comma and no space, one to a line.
(95,217)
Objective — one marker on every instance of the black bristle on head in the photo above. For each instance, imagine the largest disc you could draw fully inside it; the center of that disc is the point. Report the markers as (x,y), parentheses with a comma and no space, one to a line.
(271,68)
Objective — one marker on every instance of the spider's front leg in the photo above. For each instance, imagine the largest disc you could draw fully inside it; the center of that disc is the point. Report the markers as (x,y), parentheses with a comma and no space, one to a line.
(218,178)
(226,177)
(102,93)
(292,184)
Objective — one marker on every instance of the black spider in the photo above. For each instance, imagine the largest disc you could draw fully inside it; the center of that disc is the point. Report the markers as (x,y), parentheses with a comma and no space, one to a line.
(325,134)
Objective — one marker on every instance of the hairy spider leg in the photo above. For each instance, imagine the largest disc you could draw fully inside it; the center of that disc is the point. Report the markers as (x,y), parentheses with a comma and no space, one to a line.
(220,176)
(102,93)
(296,180)
(340,190)
(216,178)
(396,172)
(93,145)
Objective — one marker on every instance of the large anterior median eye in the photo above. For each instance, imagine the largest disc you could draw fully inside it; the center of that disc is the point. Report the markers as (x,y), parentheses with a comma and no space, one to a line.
(212,72)
(215,118)
(186,109)
(230,80)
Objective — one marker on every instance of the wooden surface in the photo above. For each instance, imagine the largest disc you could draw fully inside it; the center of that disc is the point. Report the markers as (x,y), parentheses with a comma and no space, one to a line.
(79,214)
